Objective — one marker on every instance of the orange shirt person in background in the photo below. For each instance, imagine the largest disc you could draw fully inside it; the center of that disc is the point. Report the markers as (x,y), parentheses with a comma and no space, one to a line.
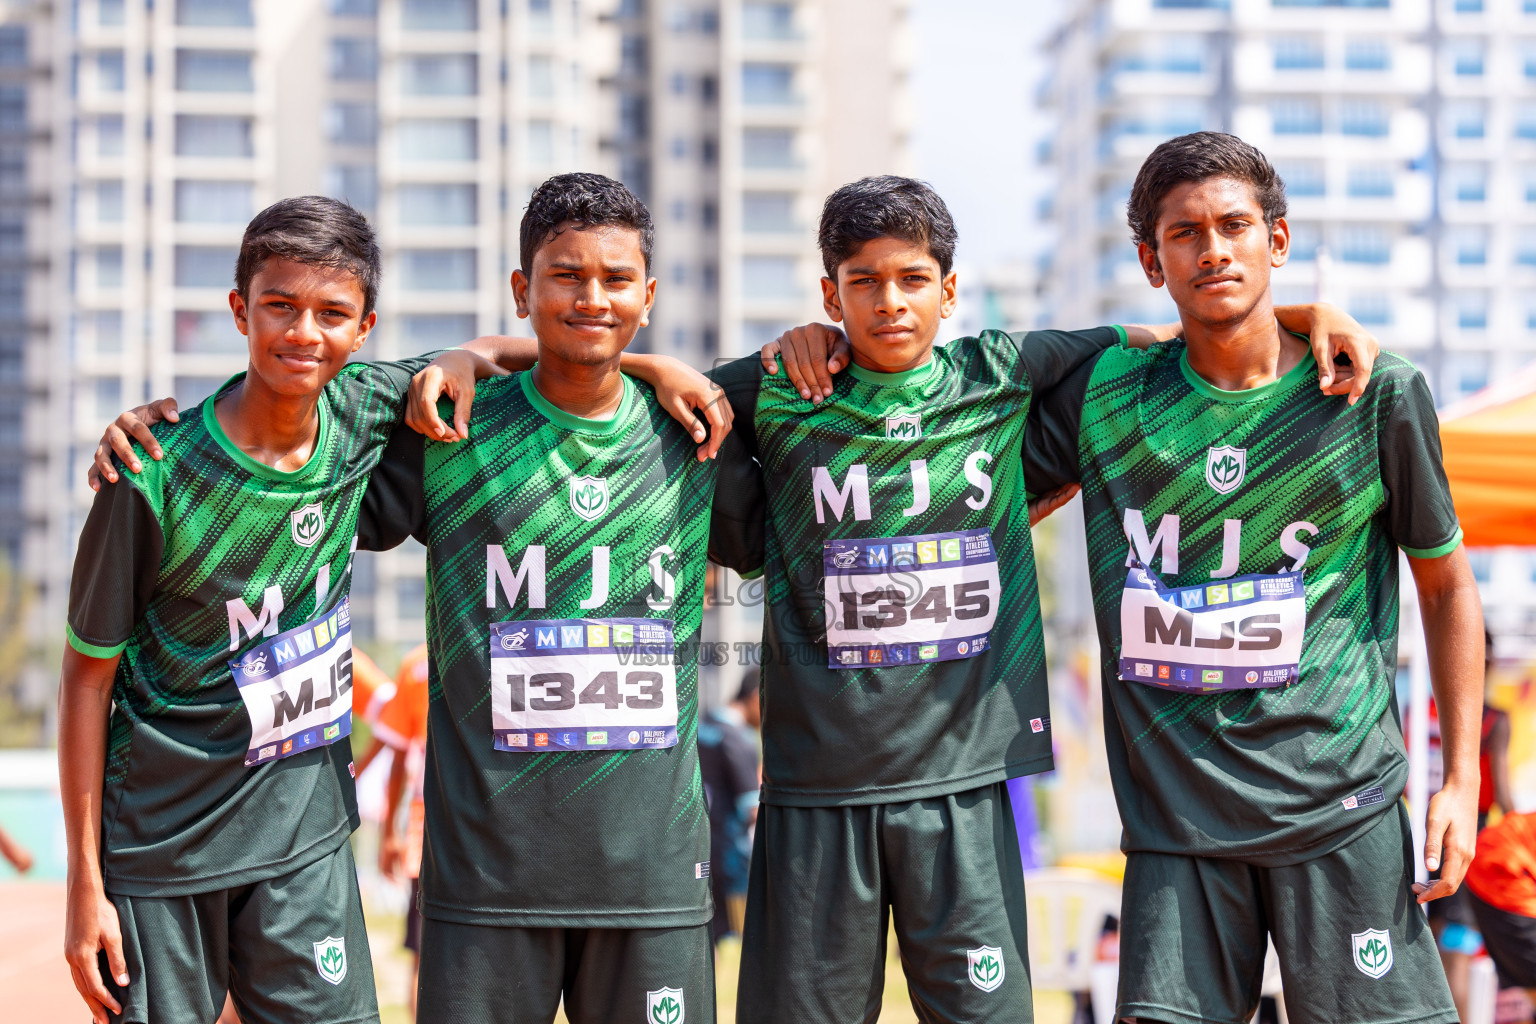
(372,689)
(402,726)
(1502,890)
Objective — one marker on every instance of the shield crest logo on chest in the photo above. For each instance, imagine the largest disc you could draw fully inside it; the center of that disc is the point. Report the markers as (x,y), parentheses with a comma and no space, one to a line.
(904,427)
(589,496)
(307,524)
(1225,468)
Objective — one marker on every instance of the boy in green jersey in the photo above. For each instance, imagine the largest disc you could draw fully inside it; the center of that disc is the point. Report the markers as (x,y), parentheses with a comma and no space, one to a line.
(567,523)
(904,676)
(1243,537)
(207,813)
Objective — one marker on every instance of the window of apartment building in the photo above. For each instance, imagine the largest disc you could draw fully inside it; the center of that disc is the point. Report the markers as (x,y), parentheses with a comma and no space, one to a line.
(437,138)
(1470,245)
(358,184)
(214,202)
(1472,312)
(205,266)
(541,14)
(438,270)
(632,55)
(108,196)
(1467,119)
(1370,181)
(1525,121)
(213,71)
(422,205)
(194,389)
(355,8)
(440,74)
(213,135)
(1327,3)
(1302,178)
(1298,53)
(1373,309)
(354,58)
(107,394)
(768,84)
(352,124)
(1525,247)
(109,13)
(214,13)
(770,212)
(1466,57)
(1364,117)
(440,15)
(1469,183)
(423,332)
(106,330)
(13,46)
(1367,55)
(1364,243)
(541,77)
(767,21)
(633,119)
(1297,116)
(109,266)
(206,331)
(109,135)
(1469,6)
(1306,239)
(757,333)
(541,142)
(111,75)
(1528,60)
(769,277)
(768,147)
(13,168)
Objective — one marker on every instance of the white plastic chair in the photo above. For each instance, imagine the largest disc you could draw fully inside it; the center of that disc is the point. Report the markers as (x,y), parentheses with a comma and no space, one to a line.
(1066,910)
(1482,992)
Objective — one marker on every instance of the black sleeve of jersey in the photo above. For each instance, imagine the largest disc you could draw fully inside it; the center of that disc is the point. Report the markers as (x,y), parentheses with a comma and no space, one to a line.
(117,564)
(394,505)
(1050,357)
(1050,433)
(738,518)
(1419,514)
(396,374)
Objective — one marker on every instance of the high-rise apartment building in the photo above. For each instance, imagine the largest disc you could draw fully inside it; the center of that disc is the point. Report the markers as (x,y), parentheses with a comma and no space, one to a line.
(1405,131)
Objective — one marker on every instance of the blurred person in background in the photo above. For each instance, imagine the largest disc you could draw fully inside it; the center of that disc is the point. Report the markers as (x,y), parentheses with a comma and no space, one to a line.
(402,727)
(1451,917)
(1502,880)
(15,853)
(728,762)
(371,690)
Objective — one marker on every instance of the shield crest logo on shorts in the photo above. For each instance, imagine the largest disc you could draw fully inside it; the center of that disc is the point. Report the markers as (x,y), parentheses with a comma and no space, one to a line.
(331,959)
(1225,467)
(985,967)
(664,1006)
(589,496)
(1372,952)
(307,524)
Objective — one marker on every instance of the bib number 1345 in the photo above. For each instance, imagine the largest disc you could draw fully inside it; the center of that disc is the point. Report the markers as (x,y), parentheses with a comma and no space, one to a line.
(583,684)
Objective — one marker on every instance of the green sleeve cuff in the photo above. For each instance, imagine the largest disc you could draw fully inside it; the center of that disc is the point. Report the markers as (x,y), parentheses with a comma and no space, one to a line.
(89,649)
(1120,331)
(1435,552)
(755,574)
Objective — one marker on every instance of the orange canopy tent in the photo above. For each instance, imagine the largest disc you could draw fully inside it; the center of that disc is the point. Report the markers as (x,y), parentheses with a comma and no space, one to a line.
(1490,456)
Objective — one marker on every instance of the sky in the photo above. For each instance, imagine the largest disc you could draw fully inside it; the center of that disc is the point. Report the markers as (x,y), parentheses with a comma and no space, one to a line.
(976,67)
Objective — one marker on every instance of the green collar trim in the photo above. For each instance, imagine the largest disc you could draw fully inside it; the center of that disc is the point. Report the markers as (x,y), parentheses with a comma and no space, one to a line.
(261,469)
(895,380)
(569,421)
(1296,374)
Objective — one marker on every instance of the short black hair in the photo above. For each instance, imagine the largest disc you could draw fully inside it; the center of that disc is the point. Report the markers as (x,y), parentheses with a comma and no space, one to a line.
(316,230)
(751,682)
(885,206)
(585,200)
(1198,157)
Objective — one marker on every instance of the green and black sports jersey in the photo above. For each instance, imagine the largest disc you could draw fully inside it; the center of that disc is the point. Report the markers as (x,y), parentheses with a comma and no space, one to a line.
(1230,498)
(565,576)
(185,566)
(903,655)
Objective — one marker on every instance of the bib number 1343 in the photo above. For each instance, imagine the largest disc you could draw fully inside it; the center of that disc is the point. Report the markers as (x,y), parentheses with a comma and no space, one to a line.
(583,684)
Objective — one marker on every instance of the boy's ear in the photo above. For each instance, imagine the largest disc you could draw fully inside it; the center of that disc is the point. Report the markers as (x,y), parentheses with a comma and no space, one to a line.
(951,298)
(520,293)
(364,327)
(1150,264)
(237,307)
(650,301)
(1279,243)
(830,300)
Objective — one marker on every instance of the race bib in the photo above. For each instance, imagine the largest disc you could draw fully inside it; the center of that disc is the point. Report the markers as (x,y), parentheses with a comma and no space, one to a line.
(1240,634)
(583,684)
(906,600)
(297,687)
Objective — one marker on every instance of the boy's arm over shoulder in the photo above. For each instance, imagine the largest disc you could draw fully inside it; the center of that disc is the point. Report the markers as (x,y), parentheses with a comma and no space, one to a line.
(394,504)
(117,564)
(1051,433)
(738,517)
(1420,516)
(740,380)
(1050,357)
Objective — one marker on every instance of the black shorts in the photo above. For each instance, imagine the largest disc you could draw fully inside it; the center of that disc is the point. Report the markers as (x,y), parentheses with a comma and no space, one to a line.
(827,882)
(286,949)
(1510,940)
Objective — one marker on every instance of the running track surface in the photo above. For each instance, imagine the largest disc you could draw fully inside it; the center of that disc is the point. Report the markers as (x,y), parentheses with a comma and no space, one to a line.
(34,979)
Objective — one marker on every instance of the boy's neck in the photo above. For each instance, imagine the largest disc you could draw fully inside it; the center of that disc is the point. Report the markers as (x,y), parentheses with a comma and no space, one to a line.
(1247,354)
(274,429)
(591,392)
